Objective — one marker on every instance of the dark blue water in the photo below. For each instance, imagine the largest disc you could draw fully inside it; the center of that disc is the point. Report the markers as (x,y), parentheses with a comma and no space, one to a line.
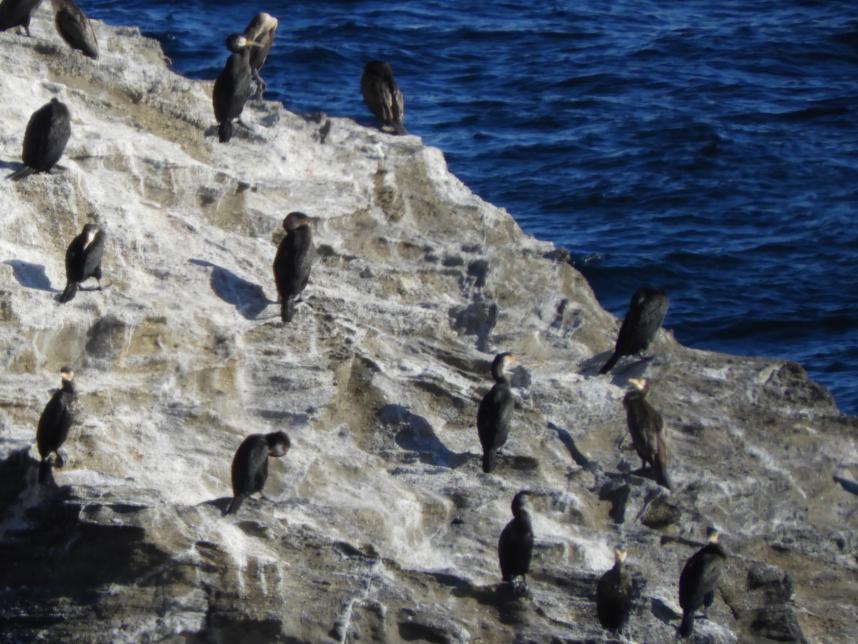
(707,148)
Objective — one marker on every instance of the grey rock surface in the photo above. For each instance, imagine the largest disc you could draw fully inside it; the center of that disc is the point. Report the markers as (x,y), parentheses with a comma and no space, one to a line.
(379,525)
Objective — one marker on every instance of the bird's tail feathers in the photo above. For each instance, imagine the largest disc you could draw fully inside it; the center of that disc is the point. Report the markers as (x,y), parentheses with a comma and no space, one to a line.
(234,505)
(19,174)
(224,131)
(44,470)
(287,309)
(610,363)
(489,460)
(687,626)
(69,292)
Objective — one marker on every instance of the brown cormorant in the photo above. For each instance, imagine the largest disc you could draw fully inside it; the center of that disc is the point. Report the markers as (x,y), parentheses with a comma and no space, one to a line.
(515,546)
(17,13)
(260,30)
(494,415)
(83,260)
(647,309)
(647,429)
(75,28)
(45,138)
(55,422)
(698,580)
(382,96)
(232,87)
(293,262)
(614,593)
(250,465)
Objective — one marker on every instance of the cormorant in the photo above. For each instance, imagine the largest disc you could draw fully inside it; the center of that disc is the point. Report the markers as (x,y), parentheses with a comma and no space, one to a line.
(45,138)
(495,412)
(75,28)
(647,430)
(382,96)
(260,30)
(614,593)
(698,580)
(250,464)
(293,261)
(232,87)
(83,260)
(647,309)
(515,545)
(17,13)
(55,422)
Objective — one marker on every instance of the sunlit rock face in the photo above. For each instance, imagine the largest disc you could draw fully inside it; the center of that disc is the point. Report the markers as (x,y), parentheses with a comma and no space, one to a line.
(379,524)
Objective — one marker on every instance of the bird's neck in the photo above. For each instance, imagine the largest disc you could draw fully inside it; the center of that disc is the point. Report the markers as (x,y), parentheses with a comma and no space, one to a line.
(68,386)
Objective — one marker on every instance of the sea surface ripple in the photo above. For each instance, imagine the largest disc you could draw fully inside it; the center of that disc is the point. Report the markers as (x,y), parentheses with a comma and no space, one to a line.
(707,148)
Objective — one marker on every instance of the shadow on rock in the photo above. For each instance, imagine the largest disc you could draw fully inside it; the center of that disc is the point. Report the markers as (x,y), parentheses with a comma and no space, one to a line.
(248,298)
(510,608)
(569,443)
(416,434)
(30,275)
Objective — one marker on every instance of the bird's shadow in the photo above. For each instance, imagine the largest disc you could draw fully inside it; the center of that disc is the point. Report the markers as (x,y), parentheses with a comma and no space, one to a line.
(416,435)
(220,503)
(11,165)
(569,443)
(30,275)
(248,298)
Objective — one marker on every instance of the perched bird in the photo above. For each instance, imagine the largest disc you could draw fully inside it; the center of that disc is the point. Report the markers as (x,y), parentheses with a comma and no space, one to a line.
(647,429)
(698,580)
(494,415)
(647,309)
(293,261)
(515,546)
(614,593)
(17,13)
(55,422)
(260,30)
(83,260)
(74,27)
(45,138)
(232,87)
(250,465)
(382,96)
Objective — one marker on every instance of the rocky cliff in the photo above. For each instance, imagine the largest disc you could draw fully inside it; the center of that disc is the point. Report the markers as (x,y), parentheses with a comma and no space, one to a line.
(379,525)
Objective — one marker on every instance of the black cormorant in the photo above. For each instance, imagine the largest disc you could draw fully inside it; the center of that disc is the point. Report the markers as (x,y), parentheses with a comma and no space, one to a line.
(250,465)
(75,28)
(45,138)
(647,309)
(260,30)
(382,96)
(55,422)
(232,87)
(614,593)
(698,580)
(17,13)
(83,260)
(494,415)
(515,546)
(293,261)
(647,429)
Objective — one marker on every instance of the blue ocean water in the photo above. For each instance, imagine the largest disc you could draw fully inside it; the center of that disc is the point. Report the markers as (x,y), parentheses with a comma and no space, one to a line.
(707,148)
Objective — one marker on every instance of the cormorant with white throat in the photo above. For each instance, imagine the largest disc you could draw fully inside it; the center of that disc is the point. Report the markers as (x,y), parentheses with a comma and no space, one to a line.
(614,593)
(647,429)
(260,30)
(83,260)
(698,580)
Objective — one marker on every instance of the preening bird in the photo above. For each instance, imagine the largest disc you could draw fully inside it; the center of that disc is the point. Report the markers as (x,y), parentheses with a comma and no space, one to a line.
(74,27)
(647,309)
(260,30)
(293,262)
(83,260)
(494,415)
(382,95)
(250,465)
